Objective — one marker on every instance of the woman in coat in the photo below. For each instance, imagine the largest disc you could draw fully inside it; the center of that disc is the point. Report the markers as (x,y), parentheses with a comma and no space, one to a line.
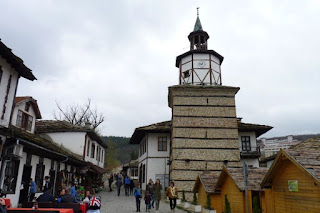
(157,194)
(172,193)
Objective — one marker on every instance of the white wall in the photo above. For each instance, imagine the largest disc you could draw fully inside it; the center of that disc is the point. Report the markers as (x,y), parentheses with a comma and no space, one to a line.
(7,71)
(253,140)
(21,106)
(250,161)
(100,161)
(152,146)
(74,141)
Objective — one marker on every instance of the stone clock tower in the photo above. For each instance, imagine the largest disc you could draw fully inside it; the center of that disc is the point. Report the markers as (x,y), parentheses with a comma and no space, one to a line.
(204,132)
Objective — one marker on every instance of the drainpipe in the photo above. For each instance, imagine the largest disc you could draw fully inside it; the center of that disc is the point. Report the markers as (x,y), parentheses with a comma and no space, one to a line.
(245,173)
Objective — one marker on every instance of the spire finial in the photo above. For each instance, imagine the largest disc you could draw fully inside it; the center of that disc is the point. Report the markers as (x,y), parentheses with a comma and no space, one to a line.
(198,11)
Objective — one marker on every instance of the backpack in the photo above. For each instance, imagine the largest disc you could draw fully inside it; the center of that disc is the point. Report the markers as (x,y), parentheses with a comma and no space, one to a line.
(94,203)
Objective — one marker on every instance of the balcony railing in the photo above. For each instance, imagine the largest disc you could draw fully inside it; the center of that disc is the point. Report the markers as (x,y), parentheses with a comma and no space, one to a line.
(253,153)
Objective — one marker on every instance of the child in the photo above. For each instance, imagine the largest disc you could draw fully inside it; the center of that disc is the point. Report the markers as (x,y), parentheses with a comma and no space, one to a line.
(137,193)
(147,199)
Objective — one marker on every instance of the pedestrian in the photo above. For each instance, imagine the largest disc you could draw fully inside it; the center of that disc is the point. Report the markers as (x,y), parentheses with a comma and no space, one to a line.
(157,194)
(67,198)
(87,198)
(46,197)
(138,195)
(110,181)
(147,201)
(119,184)
(3,208)
(33,190)
(150,188)
(131,186)
(73,190)
(47,185)
(127,185)
(172,193)
(94,205)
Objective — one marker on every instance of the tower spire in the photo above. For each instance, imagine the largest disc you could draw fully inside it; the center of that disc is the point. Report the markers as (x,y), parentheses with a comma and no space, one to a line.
(197,26)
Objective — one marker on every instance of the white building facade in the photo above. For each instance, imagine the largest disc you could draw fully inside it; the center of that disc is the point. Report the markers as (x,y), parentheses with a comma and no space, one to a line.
(154,152)
(80,140)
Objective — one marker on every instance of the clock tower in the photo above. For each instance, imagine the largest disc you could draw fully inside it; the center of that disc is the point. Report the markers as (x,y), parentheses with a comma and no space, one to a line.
(204,132)
(199,66)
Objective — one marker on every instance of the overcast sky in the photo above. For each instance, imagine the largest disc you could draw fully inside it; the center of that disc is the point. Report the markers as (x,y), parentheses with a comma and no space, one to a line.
(121,54)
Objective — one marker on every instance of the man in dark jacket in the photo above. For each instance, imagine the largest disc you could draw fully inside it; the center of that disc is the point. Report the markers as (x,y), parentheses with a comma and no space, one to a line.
(47,185)
(67,198)
(119,184)
(46,197)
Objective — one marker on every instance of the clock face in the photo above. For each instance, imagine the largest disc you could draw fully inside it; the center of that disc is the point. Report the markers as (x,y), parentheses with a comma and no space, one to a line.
(201,63)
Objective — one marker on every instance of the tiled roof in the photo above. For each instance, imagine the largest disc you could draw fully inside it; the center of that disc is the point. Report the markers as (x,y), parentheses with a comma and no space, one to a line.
(33,102)
(16,62)
(139,133)
(208,180)
(97,169)
(50,126)
(255,176)
(259,129)
(307,154)
(36,140)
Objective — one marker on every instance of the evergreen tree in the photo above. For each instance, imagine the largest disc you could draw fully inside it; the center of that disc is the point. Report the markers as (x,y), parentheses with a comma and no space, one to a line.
(195,199)
(183,196)
(208,204)
(227,205)
(255,206)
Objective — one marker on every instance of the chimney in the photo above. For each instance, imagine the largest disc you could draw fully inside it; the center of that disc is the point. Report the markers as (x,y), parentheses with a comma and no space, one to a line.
(87,124)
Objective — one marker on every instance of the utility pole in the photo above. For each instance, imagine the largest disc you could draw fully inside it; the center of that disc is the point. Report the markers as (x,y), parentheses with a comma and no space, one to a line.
(245,174)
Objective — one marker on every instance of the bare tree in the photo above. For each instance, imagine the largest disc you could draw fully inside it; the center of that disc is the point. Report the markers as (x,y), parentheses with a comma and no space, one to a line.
(79,114)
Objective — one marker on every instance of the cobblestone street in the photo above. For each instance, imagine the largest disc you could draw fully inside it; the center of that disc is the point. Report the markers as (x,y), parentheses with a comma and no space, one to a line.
(111,203)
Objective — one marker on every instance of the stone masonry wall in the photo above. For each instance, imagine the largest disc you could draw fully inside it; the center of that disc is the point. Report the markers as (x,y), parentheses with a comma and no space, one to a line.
(204,132)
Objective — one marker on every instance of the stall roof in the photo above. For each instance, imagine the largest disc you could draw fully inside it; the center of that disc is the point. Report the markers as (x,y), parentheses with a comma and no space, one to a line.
(208,180)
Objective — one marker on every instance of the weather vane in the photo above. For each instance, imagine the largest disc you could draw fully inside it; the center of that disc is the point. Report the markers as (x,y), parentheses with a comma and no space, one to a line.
(198,11)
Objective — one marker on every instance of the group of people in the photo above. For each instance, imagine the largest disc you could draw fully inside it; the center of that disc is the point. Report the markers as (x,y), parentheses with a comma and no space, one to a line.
(33,188)
(153,195)
(127,182)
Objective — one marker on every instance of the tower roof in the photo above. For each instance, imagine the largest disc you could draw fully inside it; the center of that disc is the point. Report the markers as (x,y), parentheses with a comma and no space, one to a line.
(197,25)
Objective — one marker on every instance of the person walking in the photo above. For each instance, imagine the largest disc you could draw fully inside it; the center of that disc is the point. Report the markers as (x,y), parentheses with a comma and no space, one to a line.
(110,181)
(131,186)
(138,195)
(119,184)
(157,194)
(150,188)
(127,185)
(172,193)
(33,190)
(147,201)
(47,185)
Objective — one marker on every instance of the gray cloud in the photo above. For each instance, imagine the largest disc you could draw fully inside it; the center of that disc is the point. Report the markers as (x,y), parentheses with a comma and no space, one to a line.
(122,55)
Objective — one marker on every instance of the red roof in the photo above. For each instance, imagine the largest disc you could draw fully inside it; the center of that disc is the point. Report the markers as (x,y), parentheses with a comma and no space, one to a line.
(33,103)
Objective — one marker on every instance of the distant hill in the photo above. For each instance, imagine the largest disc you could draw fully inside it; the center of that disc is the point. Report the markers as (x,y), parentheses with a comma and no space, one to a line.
(119,151)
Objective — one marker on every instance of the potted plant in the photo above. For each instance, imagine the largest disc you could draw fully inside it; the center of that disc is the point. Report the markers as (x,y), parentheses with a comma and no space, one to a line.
(208,208)
(196,207)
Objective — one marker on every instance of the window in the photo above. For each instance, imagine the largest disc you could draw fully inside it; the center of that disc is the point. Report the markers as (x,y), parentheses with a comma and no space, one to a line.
(0,74)
(19,118)
(245,141)
(102,155)
(39,174)
(28,160)
(98,153)
(93,147)
(143,147)
(27,107)
(162,143)
(30,120)
(88,148)
(11,174)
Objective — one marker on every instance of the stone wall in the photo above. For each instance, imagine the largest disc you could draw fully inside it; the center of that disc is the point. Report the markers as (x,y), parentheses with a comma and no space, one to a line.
(204,132)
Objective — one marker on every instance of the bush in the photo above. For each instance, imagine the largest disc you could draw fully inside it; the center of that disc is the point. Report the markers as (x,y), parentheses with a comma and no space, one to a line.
(195,199)
(208,204)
